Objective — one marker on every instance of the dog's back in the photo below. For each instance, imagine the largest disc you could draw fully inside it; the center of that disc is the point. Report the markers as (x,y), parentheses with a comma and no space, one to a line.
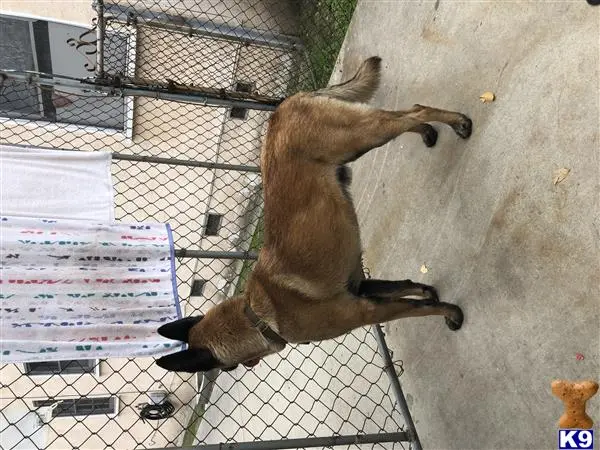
(312,241)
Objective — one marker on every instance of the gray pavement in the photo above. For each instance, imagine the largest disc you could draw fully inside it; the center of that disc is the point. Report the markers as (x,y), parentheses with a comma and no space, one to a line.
(517,252)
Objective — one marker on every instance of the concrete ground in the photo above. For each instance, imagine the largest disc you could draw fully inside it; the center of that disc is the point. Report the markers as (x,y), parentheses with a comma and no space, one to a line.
(518,253)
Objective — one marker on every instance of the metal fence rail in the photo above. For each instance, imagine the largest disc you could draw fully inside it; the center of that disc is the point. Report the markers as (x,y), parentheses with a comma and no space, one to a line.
(179,91)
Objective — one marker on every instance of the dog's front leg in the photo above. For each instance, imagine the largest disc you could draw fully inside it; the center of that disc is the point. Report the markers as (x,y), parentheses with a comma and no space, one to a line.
(383,309)
(398,289)
(345,312)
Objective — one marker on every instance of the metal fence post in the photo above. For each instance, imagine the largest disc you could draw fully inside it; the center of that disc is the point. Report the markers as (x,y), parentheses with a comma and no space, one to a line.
(395,383)
(327,442)
(202,254)
(159,91)
(100,33)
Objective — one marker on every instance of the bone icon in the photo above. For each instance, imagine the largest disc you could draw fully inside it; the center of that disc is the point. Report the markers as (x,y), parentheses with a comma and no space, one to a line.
(574,396)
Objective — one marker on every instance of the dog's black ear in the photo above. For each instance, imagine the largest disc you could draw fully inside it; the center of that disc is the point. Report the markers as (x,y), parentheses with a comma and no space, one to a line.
(191,360)
(179,329)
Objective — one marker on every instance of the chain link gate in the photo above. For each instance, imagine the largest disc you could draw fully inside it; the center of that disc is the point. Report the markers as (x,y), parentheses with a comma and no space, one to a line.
(180,92)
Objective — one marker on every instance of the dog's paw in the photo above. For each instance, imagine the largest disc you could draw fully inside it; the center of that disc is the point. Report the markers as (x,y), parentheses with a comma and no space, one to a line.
(455,320)
(430,136)
(374,62)
(464,127)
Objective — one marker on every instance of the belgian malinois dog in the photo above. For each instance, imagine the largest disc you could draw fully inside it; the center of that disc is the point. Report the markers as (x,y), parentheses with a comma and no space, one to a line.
(308,283)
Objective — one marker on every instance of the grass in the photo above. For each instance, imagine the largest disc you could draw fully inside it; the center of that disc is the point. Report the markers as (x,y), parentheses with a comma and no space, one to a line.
(323,26)
(206,383)
(255,244)
(191,430)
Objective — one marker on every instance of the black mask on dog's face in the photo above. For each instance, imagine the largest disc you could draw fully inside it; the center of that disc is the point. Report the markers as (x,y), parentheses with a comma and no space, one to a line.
(190,360)
(198,359)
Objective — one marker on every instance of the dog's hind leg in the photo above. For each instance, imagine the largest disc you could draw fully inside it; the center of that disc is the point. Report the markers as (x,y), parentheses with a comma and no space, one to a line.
(460,123)
(337,132)
(427,132)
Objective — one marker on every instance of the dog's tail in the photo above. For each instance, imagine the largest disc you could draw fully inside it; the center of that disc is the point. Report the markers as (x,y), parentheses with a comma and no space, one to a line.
(361,87)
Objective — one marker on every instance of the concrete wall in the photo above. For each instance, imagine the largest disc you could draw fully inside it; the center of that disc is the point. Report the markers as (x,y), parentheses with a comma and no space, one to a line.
(60,10)
(272,15)
(128,380)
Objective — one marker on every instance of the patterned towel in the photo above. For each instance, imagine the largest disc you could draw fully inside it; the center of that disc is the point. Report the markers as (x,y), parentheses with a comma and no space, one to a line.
(73,289)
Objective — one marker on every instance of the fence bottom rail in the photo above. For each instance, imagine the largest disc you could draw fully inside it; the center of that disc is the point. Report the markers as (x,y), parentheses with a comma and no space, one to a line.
(329,441)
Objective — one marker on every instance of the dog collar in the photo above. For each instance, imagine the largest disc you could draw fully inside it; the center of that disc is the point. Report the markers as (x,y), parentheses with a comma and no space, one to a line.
(263,327)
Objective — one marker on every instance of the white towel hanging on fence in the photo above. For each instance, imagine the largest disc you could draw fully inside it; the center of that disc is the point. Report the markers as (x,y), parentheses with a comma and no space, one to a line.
(73,289)
(56,184)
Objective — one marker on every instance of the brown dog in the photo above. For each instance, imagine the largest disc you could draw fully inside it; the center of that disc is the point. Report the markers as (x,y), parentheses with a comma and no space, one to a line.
(308,284)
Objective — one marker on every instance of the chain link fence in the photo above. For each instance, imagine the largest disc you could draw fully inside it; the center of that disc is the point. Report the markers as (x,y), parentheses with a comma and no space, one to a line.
(179,92)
